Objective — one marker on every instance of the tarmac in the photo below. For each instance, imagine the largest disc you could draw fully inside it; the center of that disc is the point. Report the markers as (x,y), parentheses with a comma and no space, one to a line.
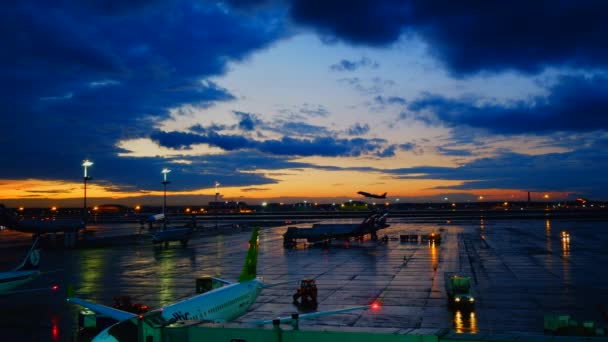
(522,270)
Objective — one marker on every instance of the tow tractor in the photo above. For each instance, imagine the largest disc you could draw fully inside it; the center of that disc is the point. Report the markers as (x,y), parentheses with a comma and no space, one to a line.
(459,291)
(307,293)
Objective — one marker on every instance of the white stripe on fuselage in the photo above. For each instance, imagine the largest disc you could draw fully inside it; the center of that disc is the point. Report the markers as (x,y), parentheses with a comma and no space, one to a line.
(219,305)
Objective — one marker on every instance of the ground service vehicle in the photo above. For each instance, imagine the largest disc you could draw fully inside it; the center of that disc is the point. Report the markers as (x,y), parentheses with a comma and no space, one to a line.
(459,291)
(307,293)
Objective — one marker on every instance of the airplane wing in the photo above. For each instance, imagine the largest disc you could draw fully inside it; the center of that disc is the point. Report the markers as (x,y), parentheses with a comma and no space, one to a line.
(111,312)
(311,315)
(223,281)
(265,286)
(52,288)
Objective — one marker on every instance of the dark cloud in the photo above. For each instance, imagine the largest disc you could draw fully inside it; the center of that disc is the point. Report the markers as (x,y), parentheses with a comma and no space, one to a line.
(347,65)
(522,35)
(249,160)
(314,110)
(228,168)
(574,103)
(525,172)
(390,100)
(247,121)
(119,7)
(298,128)
(357,21)
(251,4)
(51,192)
(411,147)
(454,152)
(254,189)
(184,140)
(318,146)
(322,146)
(352,81)
(358,129)
(372,86)
(80,76)
(198,128)
(387,152)
(473,35)
(407,146)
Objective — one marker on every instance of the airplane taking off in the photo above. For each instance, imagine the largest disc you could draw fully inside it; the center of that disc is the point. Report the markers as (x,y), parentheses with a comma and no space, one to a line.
(12,221)
(370,195)
(218,305)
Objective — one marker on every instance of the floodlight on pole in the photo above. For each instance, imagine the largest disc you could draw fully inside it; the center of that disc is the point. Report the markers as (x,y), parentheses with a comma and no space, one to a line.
(217,192)
(85,164)
(165,171)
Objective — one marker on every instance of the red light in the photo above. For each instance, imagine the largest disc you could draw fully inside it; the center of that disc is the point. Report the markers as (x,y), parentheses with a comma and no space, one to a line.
(54,287)
(140,316)
(375,306)
(55,330)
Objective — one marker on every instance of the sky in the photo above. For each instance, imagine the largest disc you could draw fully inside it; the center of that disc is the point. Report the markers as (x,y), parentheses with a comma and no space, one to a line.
(302,100)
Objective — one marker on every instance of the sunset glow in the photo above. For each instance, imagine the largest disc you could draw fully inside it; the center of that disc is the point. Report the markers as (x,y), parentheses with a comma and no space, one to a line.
(288,100)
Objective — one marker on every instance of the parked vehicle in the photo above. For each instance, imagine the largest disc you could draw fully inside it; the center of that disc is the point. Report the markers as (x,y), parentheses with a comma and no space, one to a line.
(459,290)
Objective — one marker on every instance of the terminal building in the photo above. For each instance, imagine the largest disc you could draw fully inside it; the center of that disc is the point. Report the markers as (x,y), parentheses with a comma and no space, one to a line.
(228,207)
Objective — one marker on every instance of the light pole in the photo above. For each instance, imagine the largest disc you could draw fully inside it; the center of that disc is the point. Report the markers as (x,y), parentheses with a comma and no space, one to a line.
(217,192)
(217,184)
(85,164)
(165,182)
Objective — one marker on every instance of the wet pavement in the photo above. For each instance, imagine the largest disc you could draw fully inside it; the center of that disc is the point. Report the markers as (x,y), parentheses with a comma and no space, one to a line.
(521,269)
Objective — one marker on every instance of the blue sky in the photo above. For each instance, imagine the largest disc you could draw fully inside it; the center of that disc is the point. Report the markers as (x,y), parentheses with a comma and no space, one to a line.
(303,100)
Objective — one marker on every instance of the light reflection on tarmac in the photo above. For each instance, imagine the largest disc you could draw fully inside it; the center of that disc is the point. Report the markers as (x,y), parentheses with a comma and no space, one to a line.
(522,270)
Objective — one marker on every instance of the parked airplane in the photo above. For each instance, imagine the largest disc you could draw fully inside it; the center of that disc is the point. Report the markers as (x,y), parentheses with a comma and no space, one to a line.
(367,194)
(163,232)
(218,305)
(329,231)
(168,234)
(10,220)
(27,271)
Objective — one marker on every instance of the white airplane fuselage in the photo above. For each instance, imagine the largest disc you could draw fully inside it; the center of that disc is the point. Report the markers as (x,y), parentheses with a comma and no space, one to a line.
(219,305)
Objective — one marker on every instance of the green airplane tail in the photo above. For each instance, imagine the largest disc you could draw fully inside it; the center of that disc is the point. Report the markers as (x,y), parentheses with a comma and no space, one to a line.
(251,260)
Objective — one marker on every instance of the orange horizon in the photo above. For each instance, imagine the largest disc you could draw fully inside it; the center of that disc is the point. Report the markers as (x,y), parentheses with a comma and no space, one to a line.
(47,193)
